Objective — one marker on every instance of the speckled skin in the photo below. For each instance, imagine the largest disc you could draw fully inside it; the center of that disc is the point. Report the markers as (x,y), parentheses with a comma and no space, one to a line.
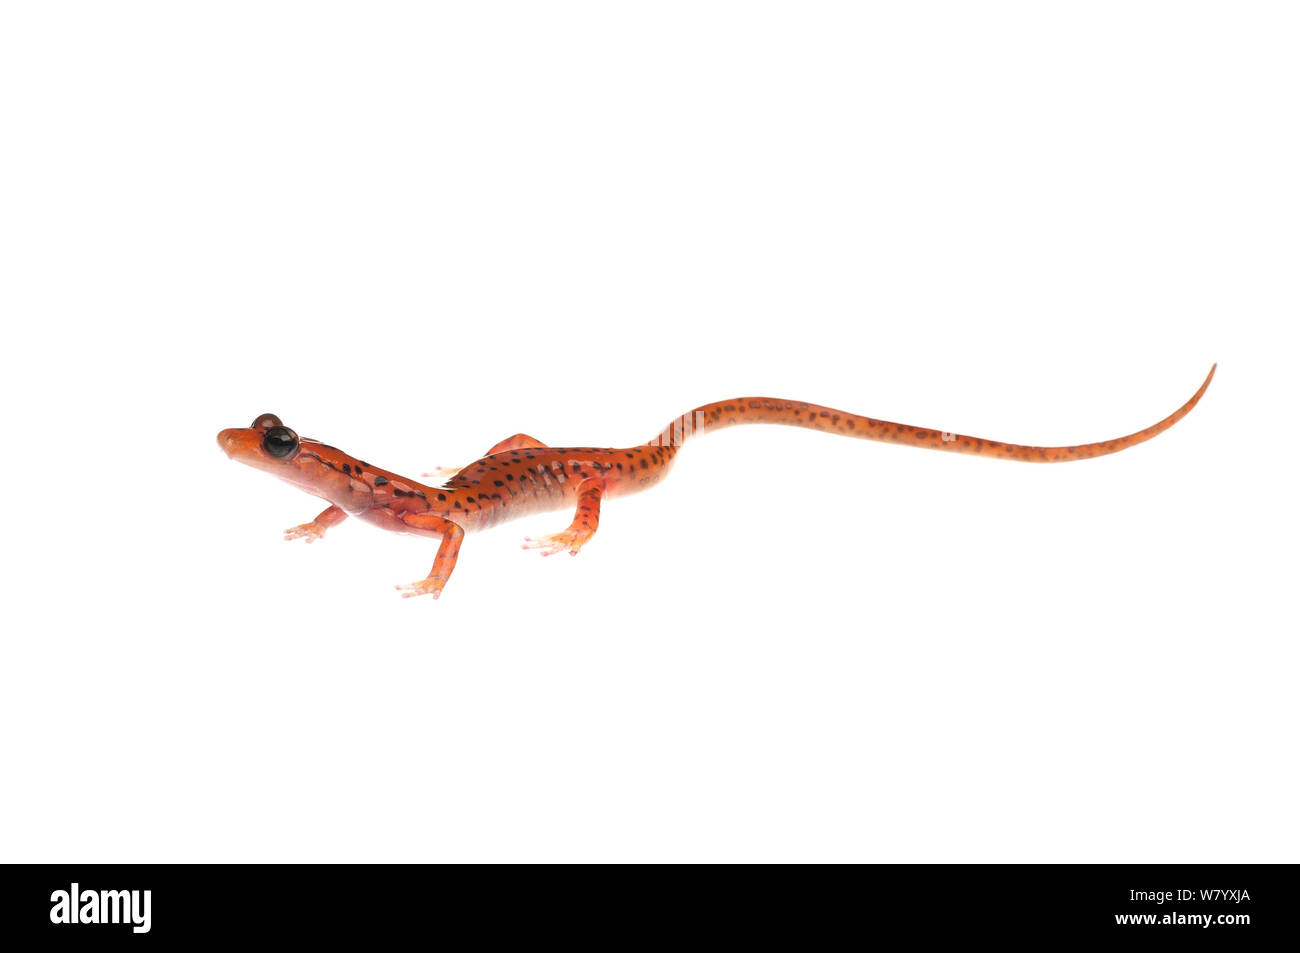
(520,475)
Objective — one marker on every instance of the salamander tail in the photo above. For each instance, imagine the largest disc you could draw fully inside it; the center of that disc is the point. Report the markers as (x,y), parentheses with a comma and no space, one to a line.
(792,413)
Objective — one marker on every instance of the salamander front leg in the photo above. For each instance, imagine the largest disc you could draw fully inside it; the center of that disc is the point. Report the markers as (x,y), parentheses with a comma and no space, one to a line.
(580,530)
(424,524)
(520,441)
(316,528)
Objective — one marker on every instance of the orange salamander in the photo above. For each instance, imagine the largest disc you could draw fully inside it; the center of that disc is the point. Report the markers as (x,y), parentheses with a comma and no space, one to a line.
(521,475)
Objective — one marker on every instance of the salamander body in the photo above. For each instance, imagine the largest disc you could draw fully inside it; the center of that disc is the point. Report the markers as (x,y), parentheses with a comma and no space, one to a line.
(520,475)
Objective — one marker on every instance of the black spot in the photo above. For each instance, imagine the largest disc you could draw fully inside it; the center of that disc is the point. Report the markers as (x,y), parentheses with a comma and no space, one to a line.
(498,482)
(381,481)
(346,468)
(443,497)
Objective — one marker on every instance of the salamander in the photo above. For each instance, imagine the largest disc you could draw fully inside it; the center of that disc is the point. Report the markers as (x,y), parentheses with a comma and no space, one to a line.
(521,475)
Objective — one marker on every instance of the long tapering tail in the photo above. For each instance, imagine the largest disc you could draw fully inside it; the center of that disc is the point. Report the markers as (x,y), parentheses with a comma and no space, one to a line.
(792,413)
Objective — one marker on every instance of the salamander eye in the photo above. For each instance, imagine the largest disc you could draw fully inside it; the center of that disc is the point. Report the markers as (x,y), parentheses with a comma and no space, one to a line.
(266,420)
(280,442)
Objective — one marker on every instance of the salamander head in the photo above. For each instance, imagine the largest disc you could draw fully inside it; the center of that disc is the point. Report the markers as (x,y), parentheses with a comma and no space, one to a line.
(267,444)
(318,468)
(271,446)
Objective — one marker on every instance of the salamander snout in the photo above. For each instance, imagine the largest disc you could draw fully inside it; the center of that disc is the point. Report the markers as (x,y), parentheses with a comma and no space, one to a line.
(265,446)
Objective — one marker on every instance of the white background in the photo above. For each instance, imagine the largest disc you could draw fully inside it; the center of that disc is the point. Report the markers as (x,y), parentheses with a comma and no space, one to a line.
(412,230)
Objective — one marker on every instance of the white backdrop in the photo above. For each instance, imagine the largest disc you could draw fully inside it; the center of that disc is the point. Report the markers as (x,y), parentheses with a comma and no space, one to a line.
(412,230)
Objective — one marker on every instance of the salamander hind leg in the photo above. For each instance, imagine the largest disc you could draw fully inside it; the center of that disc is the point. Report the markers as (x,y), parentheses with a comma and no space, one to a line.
(583,527)
(520,441)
